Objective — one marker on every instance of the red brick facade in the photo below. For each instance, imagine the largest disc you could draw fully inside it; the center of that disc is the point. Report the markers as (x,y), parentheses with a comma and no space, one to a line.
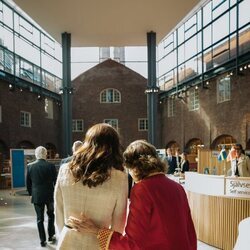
(43,131)
(213,119)
(86,99)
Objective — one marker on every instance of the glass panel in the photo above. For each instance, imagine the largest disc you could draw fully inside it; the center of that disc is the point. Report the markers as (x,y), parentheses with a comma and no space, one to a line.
(208,63)
(48,45)
(21,48)
(181,54)
(233,20)
(220,9)
(199,20)
(221,52)
(233,46)
(7,16)
(232,2)
(190,47)
(244,16)
(207,14)
(28,31)
(6,38)
(244,38)
(199,42)
(207,37)
(8,62)
(199,64)
(221,28)
(181,34)
(49,64)
(191,68)
(190,27)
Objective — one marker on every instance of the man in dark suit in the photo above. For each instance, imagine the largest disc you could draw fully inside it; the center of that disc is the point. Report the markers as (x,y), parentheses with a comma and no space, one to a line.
(40,180)
(171,160)
(75,147)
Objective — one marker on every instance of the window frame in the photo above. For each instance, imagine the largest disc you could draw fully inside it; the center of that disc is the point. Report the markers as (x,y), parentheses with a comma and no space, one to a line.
(226,91)
(76,127)
(104,95)
(193,99)
(26,115)
(145,124)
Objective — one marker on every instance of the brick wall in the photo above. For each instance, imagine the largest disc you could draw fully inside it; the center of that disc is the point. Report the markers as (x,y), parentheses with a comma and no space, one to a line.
(212,119)
(86,99)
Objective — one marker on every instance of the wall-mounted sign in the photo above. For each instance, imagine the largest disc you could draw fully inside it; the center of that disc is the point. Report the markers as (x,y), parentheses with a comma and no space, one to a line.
(238,187)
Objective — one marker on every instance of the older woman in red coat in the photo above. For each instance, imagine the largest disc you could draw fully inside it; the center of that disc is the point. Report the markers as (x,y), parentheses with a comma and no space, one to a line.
(159,215)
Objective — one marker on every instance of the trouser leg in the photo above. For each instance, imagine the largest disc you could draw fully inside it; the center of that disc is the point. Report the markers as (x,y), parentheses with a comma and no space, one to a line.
(51,219)
(39,208)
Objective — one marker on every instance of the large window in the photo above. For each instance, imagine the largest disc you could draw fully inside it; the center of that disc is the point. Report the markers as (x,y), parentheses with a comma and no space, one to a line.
(25,119)
(48,107)
(170,107)
(204,41)
(223,89)
(193,98)
(77,125)
(110,96)
(112,122)
(142,124)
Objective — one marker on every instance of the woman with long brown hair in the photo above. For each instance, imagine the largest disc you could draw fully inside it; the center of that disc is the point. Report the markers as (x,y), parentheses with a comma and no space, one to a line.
(159,216)
(93,183)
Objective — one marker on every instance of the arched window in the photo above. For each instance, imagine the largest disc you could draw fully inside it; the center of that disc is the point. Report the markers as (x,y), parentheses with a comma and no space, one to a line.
(110,96)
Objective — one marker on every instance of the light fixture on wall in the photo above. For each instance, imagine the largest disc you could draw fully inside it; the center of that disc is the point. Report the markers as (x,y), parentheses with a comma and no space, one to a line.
(11,87)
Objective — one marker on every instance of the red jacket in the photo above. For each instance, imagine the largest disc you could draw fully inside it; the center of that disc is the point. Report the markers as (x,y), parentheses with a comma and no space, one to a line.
(159,218)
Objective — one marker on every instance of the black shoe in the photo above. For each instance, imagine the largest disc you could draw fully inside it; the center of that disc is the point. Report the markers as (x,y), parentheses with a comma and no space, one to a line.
(43,244)
(52,239)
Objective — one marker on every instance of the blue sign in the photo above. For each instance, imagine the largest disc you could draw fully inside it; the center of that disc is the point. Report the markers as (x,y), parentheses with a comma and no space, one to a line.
(18,170)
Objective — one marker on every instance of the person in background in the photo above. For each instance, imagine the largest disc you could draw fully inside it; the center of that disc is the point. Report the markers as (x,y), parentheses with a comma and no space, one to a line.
(184,166)
(178,157)
(93,182)
(171,160)
(242,163)
(159,215)
(75,147)
(40,180)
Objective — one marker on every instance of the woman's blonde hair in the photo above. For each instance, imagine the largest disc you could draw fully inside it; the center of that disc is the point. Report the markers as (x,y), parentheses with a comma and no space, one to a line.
(100,152)
(142,156)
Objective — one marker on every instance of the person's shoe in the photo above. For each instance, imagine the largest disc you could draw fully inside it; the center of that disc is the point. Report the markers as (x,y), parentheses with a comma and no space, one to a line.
(52,239)
(43,244)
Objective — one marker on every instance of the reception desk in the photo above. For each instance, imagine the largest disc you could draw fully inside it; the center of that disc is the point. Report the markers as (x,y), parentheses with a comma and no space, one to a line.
(217,205)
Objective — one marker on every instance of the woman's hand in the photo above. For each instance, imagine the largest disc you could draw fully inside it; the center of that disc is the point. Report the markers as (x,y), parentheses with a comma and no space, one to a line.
(83,225)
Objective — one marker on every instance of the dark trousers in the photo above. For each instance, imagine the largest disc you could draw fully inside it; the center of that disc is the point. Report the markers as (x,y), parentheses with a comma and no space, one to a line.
(39,208)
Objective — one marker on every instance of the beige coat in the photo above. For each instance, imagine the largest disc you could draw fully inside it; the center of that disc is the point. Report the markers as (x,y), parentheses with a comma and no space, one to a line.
(105,204)
(243,166)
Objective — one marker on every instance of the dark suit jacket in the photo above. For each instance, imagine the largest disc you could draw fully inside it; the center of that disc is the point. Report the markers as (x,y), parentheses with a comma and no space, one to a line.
(40,180)
(172,165)
(185,166)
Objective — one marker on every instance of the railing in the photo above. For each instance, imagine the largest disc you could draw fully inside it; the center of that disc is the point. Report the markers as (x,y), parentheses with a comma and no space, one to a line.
(22,68)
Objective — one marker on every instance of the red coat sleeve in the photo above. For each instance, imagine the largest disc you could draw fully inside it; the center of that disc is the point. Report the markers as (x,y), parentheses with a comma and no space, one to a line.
(138,222)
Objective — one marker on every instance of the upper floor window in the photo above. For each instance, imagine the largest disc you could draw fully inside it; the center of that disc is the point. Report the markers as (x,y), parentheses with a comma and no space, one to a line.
(48,107)
(223,89)
(25,119)
(110,96)
(77,125)
(0,113)
(194,102)
(142,124)
(112,122)
(170,107)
